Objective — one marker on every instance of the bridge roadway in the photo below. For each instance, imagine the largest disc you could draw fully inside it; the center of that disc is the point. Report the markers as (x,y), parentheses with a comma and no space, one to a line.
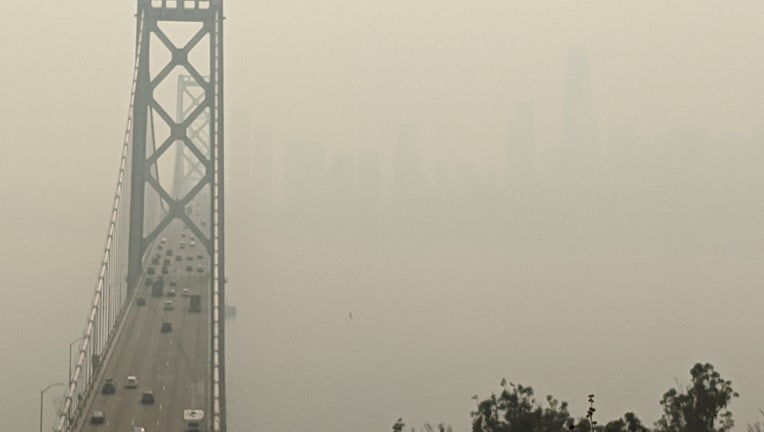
(175,365)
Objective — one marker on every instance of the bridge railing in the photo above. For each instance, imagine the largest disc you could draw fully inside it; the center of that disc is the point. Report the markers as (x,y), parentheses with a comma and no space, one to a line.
(111,292)
(218,270)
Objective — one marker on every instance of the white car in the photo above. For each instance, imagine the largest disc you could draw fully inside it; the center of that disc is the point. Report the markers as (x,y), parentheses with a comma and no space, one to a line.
(168,305)
(132,382)
(184,292)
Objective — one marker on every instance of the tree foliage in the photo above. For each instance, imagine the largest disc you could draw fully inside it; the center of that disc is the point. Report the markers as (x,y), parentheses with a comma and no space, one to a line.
(701,407)
(516,410)
(629,423)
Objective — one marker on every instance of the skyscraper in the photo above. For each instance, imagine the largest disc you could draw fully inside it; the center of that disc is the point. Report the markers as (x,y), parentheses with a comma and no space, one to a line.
(578,153)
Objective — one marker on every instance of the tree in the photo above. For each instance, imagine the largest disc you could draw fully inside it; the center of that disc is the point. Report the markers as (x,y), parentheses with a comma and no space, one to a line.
(516,410)
(629,423)
(399,425)
(701,407)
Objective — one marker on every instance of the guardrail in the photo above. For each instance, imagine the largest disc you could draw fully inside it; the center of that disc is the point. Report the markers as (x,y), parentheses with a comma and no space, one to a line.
(218,277)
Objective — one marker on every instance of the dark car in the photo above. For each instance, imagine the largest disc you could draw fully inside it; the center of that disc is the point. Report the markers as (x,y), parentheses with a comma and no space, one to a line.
(190,258)
(189,268)
(173,283)
(147,398)
(155,261)
(178,258)
(140,301)
(150,271)
(169,252)
(165,270)
(171,292)
(108,386)
(149,281)
(98,417)
(166,327)
(166,261)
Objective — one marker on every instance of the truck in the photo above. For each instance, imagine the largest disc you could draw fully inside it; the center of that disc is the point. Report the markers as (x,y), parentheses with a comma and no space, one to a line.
(195,303)
(193,420)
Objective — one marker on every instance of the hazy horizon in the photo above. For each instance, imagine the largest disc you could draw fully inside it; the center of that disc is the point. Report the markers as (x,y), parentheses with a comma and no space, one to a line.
(562,194)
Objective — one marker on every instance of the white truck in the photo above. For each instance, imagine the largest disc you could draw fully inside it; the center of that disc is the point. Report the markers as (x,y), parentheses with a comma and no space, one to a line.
(193,420)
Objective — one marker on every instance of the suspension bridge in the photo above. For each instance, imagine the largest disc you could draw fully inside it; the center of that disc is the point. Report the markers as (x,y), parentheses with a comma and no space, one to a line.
(152,352)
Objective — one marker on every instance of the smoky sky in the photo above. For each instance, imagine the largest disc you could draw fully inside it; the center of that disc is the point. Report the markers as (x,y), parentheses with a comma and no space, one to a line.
(452,287)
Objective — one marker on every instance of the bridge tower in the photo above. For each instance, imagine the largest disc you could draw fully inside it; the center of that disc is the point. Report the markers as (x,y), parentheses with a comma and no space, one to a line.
(191,141)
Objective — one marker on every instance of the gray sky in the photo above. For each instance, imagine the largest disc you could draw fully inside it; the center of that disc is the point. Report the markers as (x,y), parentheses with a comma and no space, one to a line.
(618,306)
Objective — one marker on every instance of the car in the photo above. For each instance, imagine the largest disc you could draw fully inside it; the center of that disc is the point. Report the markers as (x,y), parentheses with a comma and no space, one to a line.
(189,268)
(182,245)
(150,271)
(166,327)
(171,292)
(168,252)
(108,386)
(137,429)
(200,268)
(155,261)
(131,382)
(164,240)
(183,235)
(178,257)
(190,258)
(165,270)
(149,281)
(192,244)
(98,417)
(184,292)
(147,397)
(200,256)
(140,301)
(160,247)
(173,283)
(167,305)
(166,261)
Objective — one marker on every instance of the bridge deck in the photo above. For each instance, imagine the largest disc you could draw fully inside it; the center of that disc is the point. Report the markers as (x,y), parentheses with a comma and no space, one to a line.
(175,365)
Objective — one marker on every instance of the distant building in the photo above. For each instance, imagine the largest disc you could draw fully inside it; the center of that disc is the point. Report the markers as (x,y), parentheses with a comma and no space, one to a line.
(342,179)
(304,174)
(407,182)
(369,180)
(578,153)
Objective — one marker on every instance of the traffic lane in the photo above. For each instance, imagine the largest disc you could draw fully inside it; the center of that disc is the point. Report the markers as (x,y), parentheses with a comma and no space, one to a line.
(189,364)
(141,352)
(131,356)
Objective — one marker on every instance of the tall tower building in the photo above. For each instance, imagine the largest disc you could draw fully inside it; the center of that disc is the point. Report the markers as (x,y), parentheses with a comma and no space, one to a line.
(408,178)
(579,138)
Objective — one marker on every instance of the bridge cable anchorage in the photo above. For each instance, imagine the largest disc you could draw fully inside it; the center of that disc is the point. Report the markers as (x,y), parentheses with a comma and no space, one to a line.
(103,318)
